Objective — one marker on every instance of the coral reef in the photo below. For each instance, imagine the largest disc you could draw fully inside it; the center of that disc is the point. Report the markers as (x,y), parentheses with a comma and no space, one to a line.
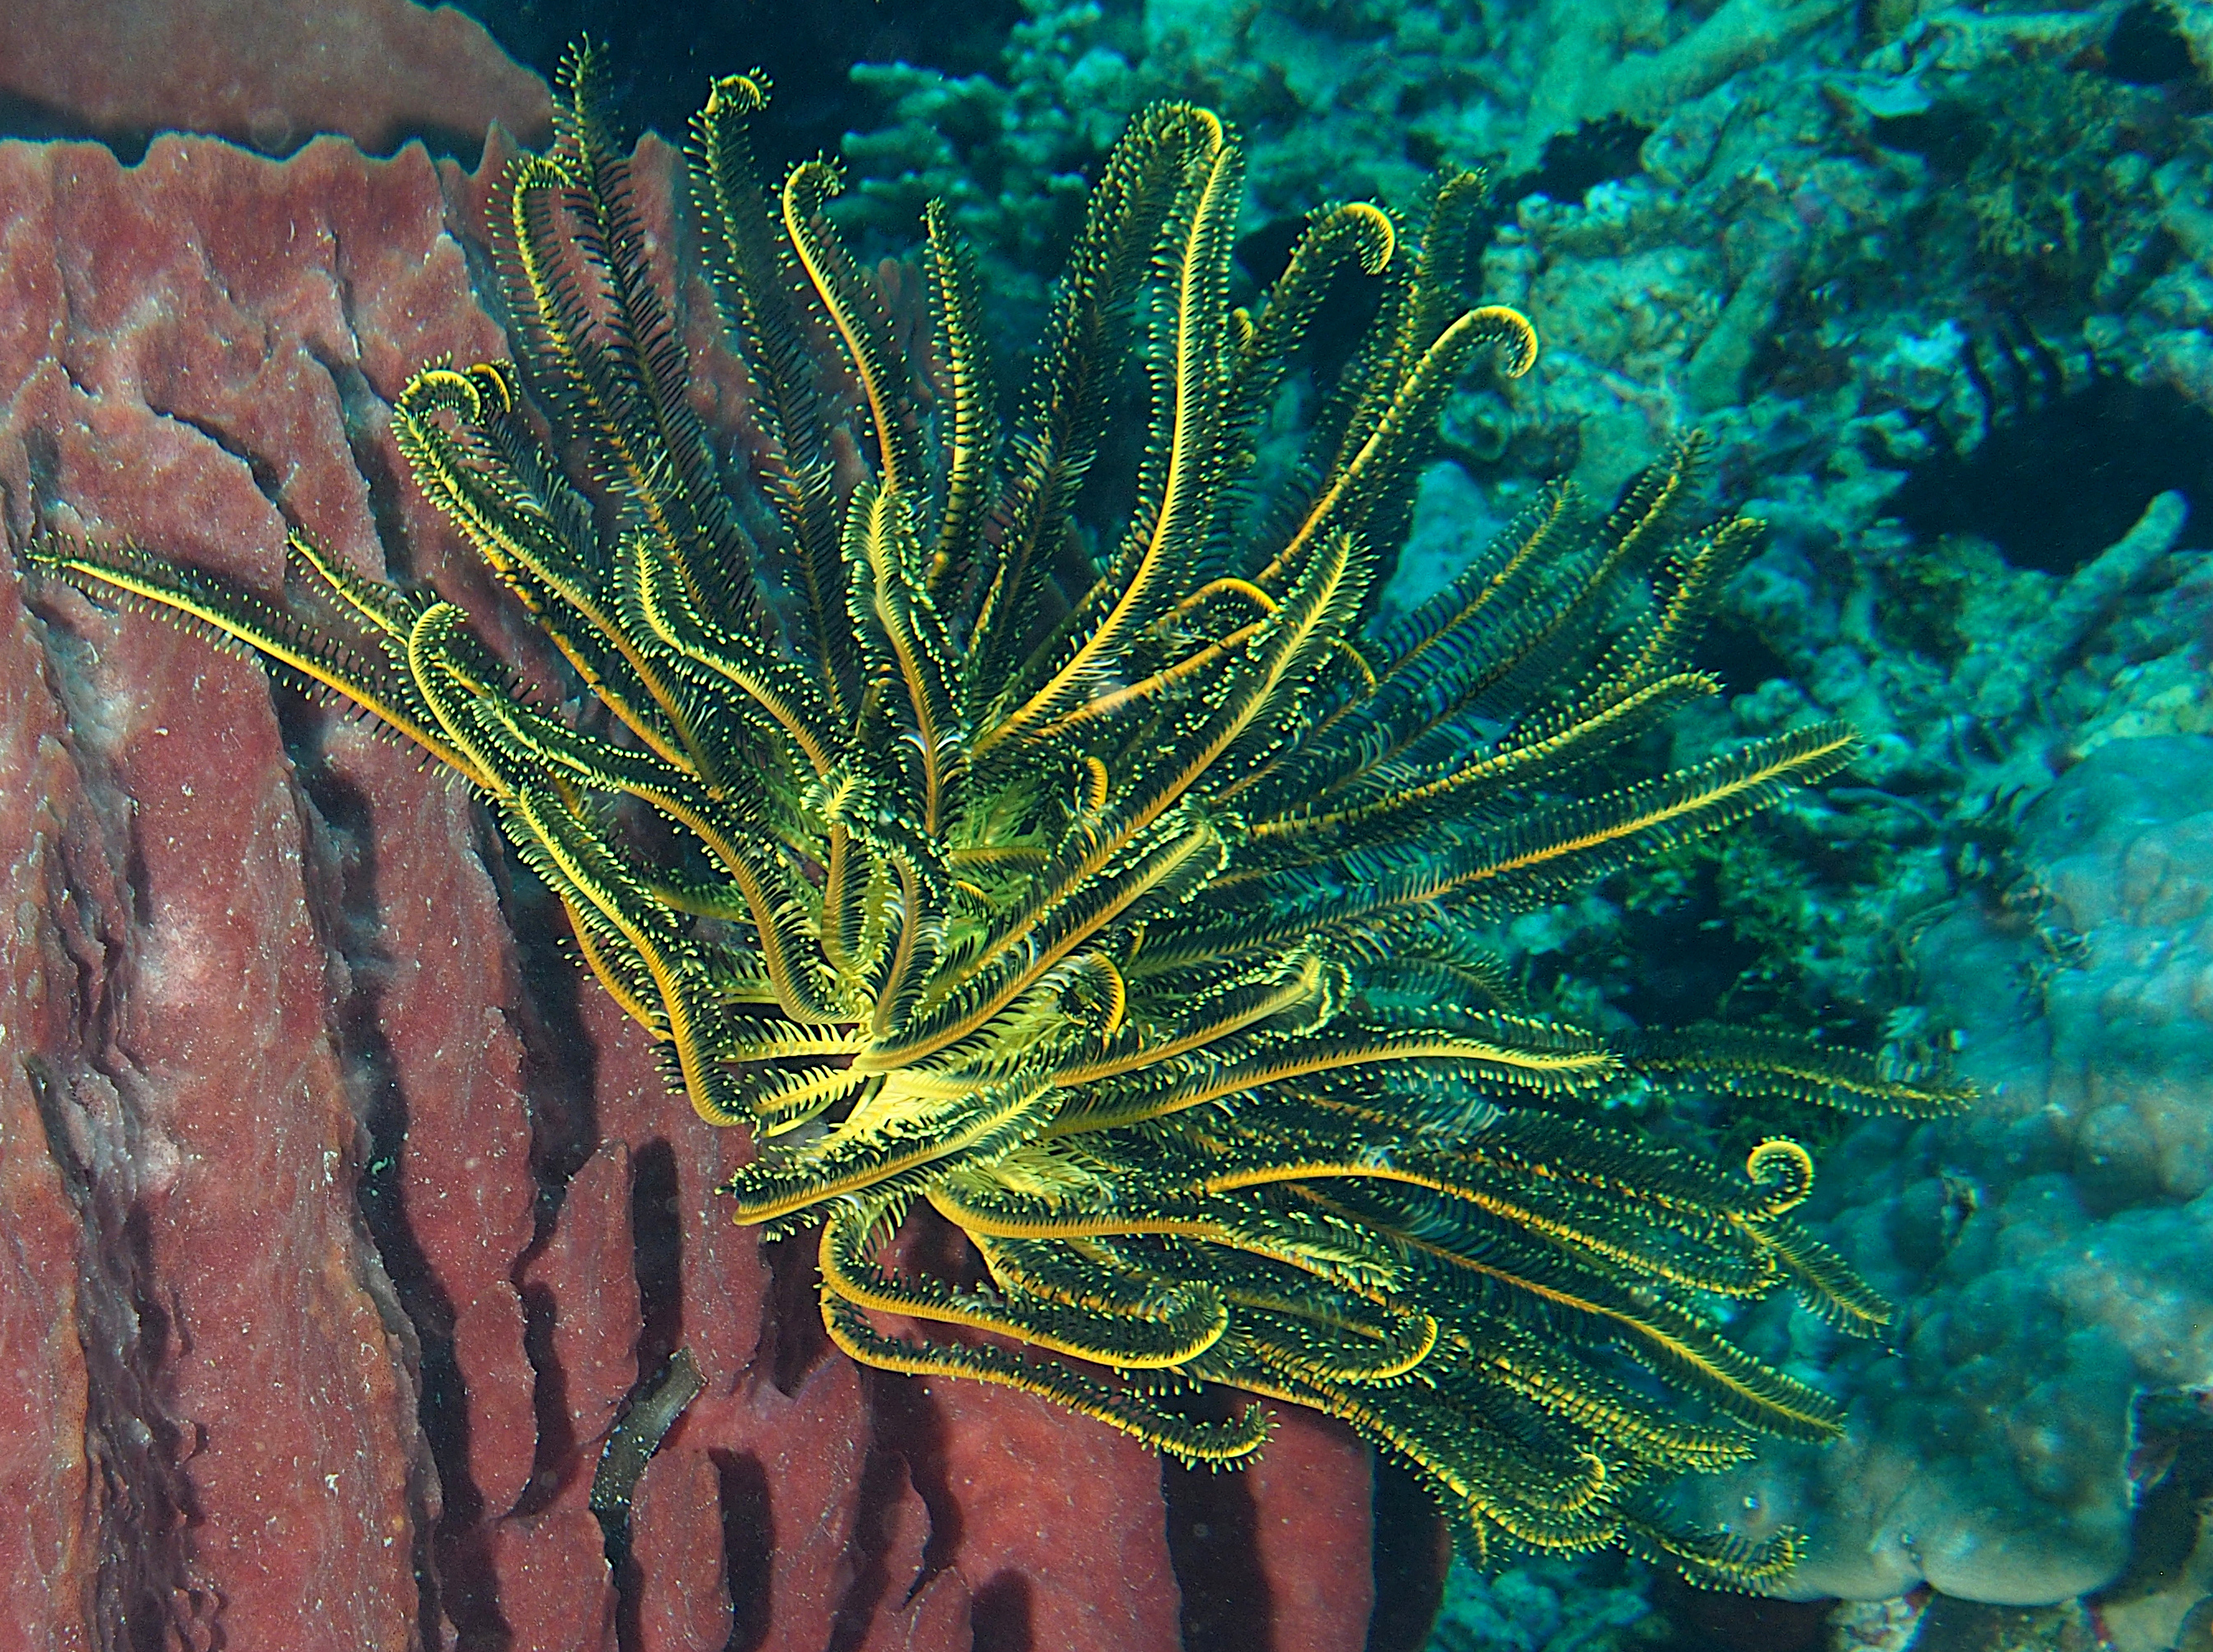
(1984,652)
(2033,1242)
(1543,1604)
(1345,101)
(2004,623)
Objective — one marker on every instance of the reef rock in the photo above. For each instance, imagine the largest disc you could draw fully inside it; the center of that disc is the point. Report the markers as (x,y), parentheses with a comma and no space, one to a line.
(2044,1247)
(343,1216)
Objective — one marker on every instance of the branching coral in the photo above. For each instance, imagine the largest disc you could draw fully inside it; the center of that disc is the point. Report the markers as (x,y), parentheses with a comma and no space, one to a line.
(1111,894)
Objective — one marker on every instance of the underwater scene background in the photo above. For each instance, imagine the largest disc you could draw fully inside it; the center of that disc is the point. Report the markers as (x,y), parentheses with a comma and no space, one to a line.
(352,1234)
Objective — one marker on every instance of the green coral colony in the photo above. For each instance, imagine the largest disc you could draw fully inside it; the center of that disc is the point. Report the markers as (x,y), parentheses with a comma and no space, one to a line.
(1118,894)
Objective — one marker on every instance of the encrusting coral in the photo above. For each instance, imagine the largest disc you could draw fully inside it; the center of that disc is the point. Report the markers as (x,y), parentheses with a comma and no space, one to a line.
(1065,856)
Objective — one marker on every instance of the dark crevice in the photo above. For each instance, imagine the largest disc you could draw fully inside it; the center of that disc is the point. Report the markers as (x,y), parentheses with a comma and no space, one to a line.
(94,930)
(362,413)
(1575,162)
(341,880)
(1410,1553)
(471,233)
(793,1341)
(1739,655)
(651,1410)
(463,1585)
(1690,955)
(748,1546)
(1213,1532)
(903,1418)
(1949,136)
(555,1456)
(38,121)
(470,1592)
(142,1584)
(668,1382)
(630,1591)
(2170,1466)
(656,1226)
(453,1565)
(1715,1620)
(2062,471)
(558,1080)
(266,478)
(907,1440)
(1340,322)
(560,1063)
(97,895)
(884,1477)
(1000,1613)
(559,1073)
(2147,47)
(42,461)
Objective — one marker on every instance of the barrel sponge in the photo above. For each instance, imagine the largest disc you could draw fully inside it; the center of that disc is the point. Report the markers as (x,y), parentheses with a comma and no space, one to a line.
(2048,1249)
